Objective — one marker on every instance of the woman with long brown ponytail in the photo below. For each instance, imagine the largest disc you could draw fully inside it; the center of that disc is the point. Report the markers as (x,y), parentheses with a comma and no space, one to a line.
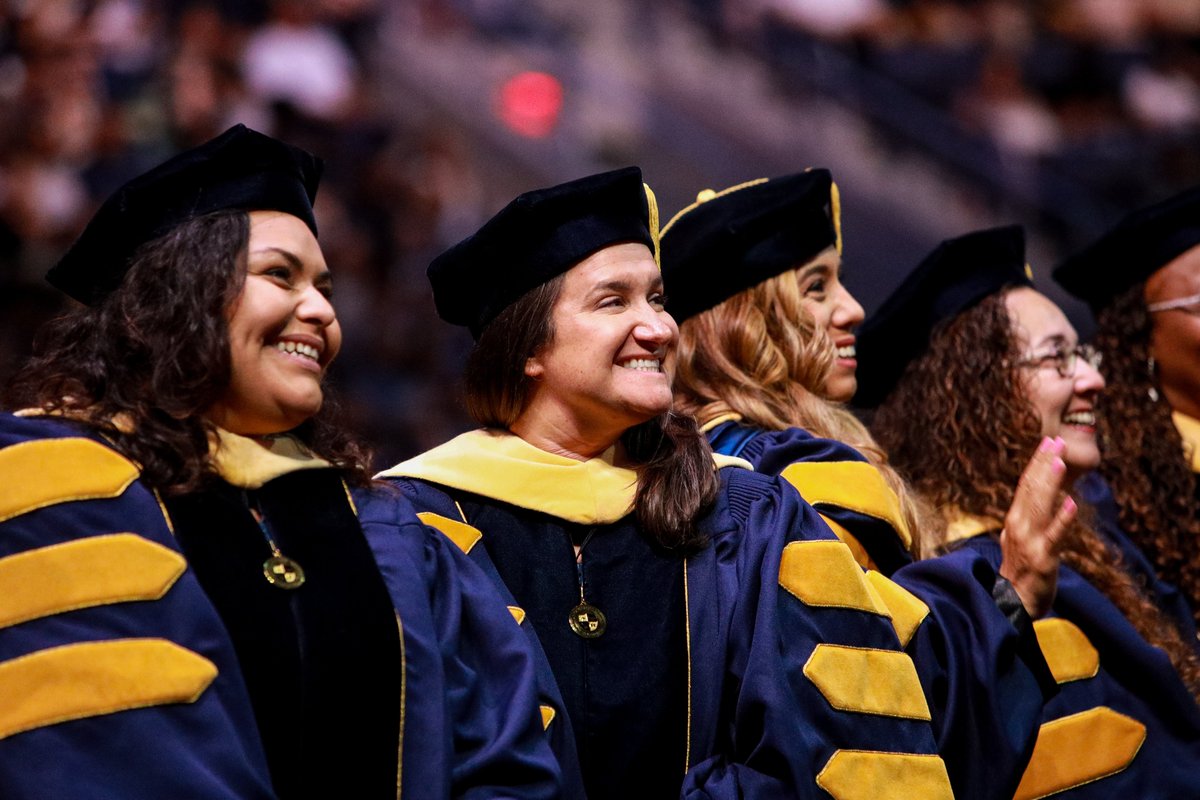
(968,369)
(704,634)
(767,351)
(1142,281)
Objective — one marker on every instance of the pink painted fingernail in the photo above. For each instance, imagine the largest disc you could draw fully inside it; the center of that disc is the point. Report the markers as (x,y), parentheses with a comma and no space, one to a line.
(1059,466)
(1046,445)
(1069,505)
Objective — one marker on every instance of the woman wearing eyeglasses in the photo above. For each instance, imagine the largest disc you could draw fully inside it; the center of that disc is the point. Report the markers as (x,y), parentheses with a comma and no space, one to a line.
(1142,281)
(969,368)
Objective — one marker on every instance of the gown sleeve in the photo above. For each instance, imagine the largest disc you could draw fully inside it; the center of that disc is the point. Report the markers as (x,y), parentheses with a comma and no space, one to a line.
(117,678)
(472,723)
(817,698)
(973,645)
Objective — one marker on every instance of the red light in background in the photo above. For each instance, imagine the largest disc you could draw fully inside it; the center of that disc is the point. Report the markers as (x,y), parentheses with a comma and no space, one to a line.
(529,103)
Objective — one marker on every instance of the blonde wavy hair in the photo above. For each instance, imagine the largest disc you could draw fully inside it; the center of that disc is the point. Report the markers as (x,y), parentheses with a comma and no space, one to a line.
(761,355)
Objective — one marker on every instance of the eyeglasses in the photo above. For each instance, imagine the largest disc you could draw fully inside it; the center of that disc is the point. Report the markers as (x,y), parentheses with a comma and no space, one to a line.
(1064,360)
(1186,304)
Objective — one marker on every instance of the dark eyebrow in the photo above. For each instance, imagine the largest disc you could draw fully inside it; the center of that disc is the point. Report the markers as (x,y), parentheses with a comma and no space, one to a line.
(814,269)
(288,255)
(621,285)
(616,285)
(1058,339)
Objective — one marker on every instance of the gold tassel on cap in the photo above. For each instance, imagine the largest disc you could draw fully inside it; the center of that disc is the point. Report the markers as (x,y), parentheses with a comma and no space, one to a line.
(652,205)
(835,208)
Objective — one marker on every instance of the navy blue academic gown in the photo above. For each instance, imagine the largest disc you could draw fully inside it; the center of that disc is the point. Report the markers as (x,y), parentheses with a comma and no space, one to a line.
(126,669)
(1093,490)
(1123,724)
(763,665)
(971,641)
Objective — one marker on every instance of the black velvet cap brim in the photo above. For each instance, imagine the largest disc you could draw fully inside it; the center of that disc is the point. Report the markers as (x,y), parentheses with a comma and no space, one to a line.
(239,170)
(729,241)
(536,237)
(955,277)
(1135,248)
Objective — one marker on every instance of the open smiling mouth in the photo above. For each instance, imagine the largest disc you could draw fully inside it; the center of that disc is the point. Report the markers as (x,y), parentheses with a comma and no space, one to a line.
(644,365)
(847,351)
(1086,418)
(298,349)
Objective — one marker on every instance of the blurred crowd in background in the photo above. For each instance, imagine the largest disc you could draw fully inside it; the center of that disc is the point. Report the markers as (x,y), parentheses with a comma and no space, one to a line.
(1069,105)
(1072,101)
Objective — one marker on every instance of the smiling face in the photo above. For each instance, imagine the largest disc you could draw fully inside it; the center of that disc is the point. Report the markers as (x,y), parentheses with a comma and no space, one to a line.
(1065,405)
(283,332)
(1175,332)
(610,359)
(835,311)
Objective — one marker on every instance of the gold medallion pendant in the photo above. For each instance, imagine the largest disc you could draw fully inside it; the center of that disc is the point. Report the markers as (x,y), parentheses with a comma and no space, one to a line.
(587,621)
(280,571)
(283,572)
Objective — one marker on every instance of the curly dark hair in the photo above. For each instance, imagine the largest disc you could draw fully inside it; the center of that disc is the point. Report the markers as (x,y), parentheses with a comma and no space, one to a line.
(676,479)
(1144,462)
(958,426)
(143,364)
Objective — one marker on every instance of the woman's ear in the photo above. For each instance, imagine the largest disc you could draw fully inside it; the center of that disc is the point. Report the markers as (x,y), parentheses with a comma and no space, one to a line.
(534,368)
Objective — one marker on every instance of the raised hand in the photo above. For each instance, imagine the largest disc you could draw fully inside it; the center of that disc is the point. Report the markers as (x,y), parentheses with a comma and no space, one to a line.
(1034,528)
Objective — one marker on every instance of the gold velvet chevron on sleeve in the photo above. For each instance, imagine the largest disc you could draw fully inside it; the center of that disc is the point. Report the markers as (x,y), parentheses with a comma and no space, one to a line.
(464,536)
(1083,747)
(93,571)
(548,715)
(93,678)
(868,681)
(853,485)
(862,775)
(906,609)
(1069,653)
(45,472)
(75,680)
(1078,749)
(863,680)
(825,574)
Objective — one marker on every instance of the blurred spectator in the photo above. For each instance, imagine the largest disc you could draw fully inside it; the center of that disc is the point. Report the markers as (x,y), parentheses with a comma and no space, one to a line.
(93,93)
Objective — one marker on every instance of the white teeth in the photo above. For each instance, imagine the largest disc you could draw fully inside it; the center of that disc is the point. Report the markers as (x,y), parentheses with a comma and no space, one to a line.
(1080,418)
(295,348)
(644,364)
(848,351)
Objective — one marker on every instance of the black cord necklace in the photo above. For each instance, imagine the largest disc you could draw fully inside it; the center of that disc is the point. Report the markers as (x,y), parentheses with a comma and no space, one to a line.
(585,619)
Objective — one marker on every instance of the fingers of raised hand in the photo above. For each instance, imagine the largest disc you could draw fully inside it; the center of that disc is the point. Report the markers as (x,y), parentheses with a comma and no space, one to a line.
(1038,490)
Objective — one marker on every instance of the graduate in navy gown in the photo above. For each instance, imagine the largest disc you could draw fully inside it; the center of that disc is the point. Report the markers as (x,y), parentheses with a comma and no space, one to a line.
(202,594)
(970,368)
(704,633)
(767,351)
(1142,282)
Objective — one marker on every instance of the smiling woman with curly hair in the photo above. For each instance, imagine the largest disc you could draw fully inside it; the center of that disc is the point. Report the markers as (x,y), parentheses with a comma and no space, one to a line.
(970,369)
(202,594)
(1142,280)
